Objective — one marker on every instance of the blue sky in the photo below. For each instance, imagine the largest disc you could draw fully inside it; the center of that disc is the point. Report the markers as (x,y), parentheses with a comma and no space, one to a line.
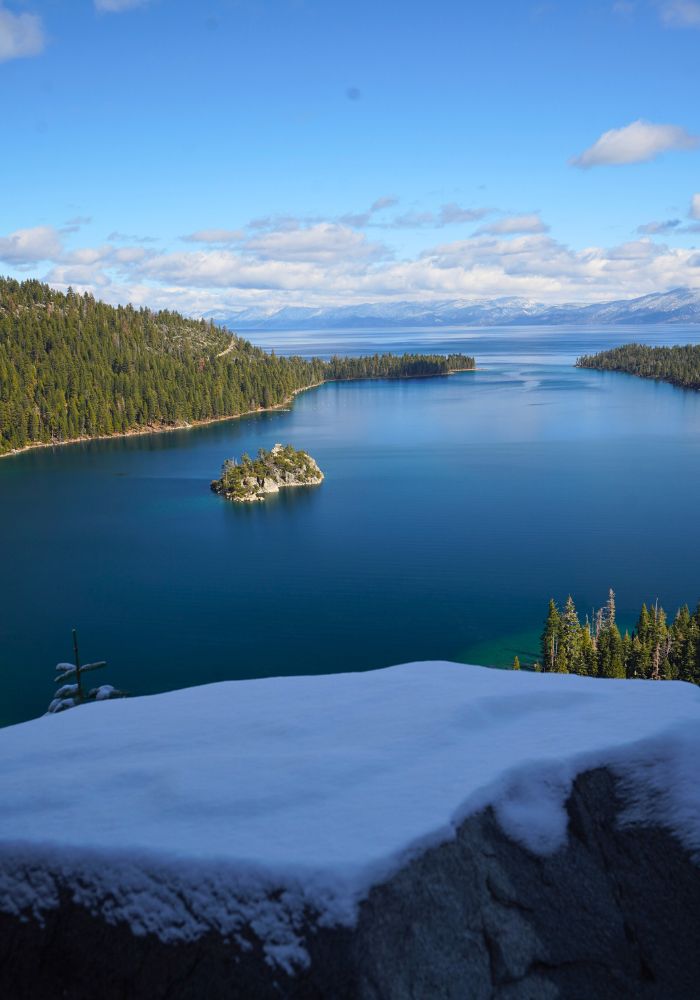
(226,153)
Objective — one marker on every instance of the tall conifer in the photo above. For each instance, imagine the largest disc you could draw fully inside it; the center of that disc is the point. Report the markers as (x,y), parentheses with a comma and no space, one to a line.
(549,640)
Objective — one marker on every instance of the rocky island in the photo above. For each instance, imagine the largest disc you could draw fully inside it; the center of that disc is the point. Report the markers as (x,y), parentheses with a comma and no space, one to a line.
(252,479)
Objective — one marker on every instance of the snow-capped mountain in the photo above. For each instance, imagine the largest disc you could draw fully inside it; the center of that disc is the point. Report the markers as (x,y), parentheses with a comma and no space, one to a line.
(680,305)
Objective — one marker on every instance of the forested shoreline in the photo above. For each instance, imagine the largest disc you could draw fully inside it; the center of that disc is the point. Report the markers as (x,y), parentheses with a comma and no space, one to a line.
(655,649)
(74,368)
(678,365)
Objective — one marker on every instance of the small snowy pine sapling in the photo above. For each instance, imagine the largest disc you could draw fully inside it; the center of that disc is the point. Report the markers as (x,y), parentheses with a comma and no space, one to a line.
(71,691)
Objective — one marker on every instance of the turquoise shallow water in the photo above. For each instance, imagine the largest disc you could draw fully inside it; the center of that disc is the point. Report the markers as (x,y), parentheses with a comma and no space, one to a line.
(452,509)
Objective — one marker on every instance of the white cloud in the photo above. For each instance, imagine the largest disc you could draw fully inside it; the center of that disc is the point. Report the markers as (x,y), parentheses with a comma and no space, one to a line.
(82,277)
(215,236)
(675,225)
(635,143)
(361,219)
(20,35)
(129,255)
(117,6)
(680,13)
(656,228)
(283,222)
(453,213)
(225,269)
(387,201)
(449,214)
(635,250)
(533,266)
(28,246)
(325,242)
(118,237)
(88,255)
(412,220)
(526,223)
(326,263)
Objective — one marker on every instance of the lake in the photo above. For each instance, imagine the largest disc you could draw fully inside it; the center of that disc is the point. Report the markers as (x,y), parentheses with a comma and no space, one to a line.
(452,509)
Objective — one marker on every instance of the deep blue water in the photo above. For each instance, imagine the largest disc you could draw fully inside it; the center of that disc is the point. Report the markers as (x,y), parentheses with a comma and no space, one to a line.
(452,509)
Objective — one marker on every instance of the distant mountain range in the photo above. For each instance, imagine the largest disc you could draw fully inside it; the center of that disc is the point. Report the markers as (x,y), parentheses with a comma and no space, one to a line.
(680,305)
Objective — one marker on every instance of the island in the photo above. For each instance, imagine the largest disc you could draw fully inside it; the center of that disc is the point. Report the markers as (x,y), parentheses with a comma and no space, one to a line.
(250,479)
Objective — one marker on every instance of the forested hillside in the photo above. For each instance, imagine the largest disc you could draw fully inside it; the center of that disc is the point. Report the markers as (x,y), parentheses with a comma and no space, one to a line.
(678,365)
(73,367)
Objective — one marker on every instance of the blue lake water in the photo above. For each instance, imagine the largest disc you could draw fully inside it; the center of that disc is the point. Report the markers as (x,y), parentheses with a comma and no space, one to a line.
(452,509)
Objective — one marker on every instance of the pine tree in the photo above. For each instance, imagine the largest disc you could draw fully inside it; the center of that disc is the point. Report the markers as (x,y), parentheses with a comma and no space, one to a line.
(627,654)
(71,691)
(570,651)
(516,663)
(610,652)
(549,640)
(609,616)
(660,642)
(589,661)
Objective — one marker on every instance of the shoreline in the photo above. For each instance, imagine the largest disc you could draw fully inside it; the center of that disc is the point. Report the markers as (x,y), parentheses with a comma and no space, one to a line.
(194,424)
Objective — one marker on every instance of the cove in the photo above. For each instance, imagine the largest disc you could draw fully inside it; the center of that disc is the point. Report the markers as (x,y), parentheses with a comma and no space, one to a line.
(451,510)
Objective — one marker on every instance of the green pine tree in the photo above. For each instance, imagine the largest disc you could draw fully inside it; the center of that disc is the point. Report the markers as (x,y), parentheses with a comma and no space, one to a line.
(549,640)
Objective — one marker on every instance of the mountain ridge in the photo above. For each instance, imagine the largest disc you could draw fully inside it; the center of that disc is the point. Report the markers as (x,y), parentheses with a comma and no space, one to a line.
(678,305)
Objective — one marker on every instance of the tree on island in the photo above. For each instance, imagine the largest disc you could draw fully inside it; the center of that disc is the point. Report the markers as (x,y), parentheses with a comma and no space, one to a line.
(251,479)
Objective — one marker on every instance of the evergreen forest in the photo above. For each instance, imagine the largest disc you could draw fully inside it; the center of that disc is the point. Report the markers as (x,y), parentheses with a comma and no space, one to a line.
(678,365)
(72,367)
(656,649)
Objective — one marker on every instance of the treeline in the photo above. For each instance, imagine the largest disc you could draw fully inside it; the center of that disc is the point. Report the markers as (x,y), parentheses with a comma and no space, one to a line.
(677,365)
(397,365)
(73,367)
(656,649)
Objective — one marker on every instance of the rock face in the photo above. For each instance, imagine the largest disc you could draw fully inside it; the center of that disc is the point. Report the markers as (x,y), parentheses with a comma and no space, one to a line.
(613,914)
(253,479)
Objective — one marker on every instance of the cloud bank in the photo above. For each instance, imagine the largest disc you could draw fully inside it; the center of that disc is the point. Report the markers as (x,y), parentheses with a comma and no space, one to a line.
(286,261)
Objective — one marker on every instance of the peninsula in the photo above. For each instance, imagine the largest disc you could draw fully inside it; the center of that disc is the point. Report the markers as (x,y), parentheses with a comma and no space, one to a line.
(678,365)
(252,479)
(73,368)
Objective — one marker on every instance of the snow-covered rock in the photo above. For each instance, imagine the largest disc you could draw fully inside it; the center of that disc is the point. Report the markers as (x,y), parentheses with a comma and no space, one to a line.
(277,817)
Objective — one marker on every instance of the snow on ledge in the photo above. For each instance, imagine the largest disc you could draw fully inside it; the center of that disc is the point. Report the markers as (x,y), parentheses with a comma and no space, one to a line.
(255,803)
